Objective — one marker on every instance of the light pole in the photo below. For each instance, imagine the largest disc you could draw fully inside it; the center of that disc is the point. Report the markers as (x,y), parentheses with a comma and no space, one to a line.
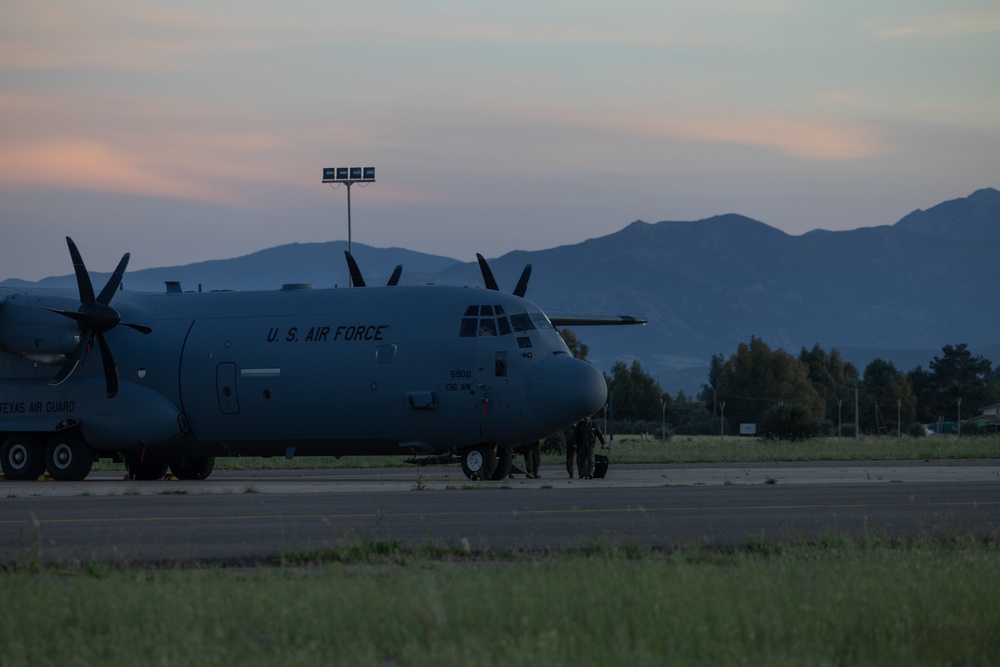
(663,419)
(348,176)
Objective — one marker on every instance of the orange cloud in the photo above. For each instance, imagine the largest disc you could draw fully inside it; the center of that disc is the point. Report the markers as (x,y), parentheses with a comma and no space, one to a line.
(813,138)
(91,165)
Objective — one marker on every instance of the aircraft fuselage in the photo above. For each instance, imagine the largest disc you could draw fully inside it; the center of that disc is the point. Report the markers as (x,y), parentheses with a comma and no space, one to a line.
(297,372)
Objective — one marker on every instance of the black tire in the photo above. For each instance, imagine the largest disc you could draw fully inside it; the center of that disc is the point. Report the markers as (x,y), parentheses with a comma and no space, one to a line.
(144,471)
(505,461)
(68,457)
(193,468)
(479,462)
(22,456)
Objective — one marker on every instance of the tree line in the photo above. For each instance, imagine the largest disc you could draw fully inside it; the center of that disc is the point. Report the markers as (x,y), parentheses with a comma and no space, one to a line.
(815,393)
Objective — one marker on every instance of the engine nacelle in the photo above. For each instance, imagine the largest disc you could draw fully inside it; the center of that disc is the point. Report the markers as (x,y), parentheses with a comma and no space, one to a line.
(30,331)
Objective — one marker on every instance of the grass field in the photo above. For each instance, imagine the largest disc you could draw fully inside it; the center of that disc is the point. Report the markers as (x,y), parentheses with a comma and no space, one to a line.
(832,602)
(702,449)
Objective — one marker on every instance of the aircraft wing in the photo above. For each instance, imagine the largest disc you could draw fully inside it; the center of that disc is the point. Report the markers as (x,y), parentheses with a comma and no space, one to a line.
(586,320)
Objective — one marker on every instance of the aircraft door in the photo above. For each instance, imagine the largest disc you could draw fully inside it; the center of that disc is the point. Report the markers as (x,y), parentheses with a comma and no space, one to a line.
(225,384)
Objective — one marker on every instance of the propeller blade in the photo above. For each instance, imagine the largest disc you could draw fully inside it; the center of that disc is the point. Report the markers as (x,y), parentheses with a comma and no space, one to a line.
(488,279)
(74,360)
(71,314)
(113,282)
(82,277)
(394,278)
(522,283)
(141,328)
(356,279)
(110,370)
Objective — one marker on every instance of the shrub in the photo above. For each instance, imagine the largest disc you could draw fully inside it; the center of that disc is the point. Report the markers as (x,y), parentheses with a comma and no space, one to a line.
(788,422)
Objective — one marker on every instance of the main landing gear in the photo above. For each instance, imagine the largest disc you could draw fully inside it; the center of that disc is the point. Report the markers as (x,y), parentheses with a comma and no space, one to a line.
(65,454)
(189,468)
(68,458)
(486,462)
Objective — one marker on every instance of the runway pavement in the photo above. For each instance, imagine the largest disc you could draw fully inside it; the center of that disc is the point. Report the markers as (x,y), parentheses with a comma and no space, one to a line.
(248,516)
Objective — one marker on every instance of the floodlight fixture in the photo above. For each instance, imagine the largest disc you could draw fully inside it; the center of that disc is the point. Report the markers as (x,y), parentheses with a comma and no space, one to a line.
(348,176)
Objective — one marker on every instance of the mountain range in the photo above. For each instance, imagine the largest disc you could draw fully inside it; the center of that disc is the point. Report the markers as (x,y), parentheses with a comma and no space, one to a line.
(898,292)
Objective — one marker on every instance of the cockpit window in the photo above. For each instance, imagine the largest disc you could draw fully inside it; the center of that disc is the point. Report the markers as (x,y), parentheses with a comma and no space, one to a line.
(491,320)
(521,323)
(469,327)
(487,326)
(541,321)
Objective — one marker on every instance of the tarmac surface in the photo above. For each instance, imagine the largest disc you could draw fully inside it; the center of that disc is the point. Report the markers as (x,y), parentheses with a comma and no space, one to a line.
(239,517)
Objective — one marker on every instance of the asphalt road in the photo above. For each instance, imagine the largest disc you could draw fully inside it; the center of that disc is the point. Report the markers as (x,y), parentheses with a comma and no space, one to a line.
(247,516)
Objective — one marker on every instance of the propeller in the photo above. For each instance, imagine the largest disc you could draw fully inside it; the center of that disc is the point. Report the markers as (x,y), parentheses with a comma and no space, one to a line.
(357,280)
(394,278)
(94,317)
(491,282)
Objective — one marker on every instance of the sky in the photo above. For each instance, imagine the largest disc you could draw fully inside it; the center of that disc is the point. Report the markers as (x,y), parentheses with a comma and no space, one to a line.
(184,131)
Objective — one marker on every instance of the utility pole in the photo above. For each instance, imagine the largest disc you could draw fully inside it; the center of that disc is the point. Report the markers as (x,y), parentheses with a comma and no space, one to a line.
(857,418)
(663,418)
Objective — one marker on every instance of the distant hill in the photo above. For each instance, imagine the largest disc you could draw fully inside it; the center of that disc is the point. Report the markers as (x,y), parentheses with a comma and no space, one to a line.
(318,264)
(899,292)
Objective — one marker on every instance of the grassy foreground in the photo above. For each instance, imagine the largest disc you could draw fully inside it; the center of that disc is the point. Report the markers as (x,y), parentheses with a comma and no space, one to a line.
(837,603)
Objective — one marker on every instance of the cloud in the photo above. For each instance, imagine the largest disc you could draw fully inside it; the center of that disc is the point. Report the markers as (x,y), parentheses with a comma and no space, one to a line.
(938,25)
(812,138)
(119,35)
(91,165)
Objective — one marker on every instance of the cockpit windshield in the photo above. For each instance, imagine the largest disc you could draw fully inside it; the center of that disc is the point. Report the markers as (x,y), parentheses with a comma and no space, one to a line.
(492,320)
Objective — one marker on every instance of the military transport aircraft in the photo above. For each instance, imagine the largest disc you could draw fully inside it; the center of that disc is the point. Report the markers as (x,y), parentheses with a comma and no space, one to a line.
(182,378)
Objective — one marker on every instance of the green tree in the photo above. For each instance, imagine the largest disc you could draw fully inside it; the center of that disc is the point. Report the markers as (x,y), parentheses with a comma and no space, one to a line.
(955,375)
(636,395)
(886,400)
(576,347)
(756,377)
(922,386)
(833,378)
(783,421)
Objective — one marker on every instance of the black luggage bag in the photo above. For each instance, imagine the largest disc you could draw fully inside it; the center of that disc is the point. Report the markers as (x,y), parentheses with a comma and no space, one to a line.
(600,465)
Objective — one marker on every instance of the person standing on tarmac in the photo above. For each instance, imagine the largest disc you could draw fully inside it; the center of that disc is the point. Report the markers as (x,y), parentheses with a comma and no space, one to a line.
(569,435)
(587,432)
(532,458)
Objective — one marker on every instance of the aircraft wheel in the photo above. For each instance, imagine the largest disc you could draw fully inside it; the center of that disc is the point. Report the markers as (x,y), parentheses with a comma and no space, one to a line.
(479,462)
(505,461)
(22,456)
(68,457)
(145,470)
(193,468)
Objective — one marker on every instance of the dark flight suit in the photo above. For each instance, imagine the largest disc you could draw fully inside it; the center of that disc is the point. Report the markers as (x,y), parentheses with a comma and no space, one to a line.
(569,435)
(586,434)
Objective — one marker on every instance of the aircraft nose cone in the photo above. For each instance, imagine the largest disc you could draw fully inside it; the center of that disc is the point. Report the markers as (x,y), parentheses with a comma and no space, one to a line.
(562,390)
